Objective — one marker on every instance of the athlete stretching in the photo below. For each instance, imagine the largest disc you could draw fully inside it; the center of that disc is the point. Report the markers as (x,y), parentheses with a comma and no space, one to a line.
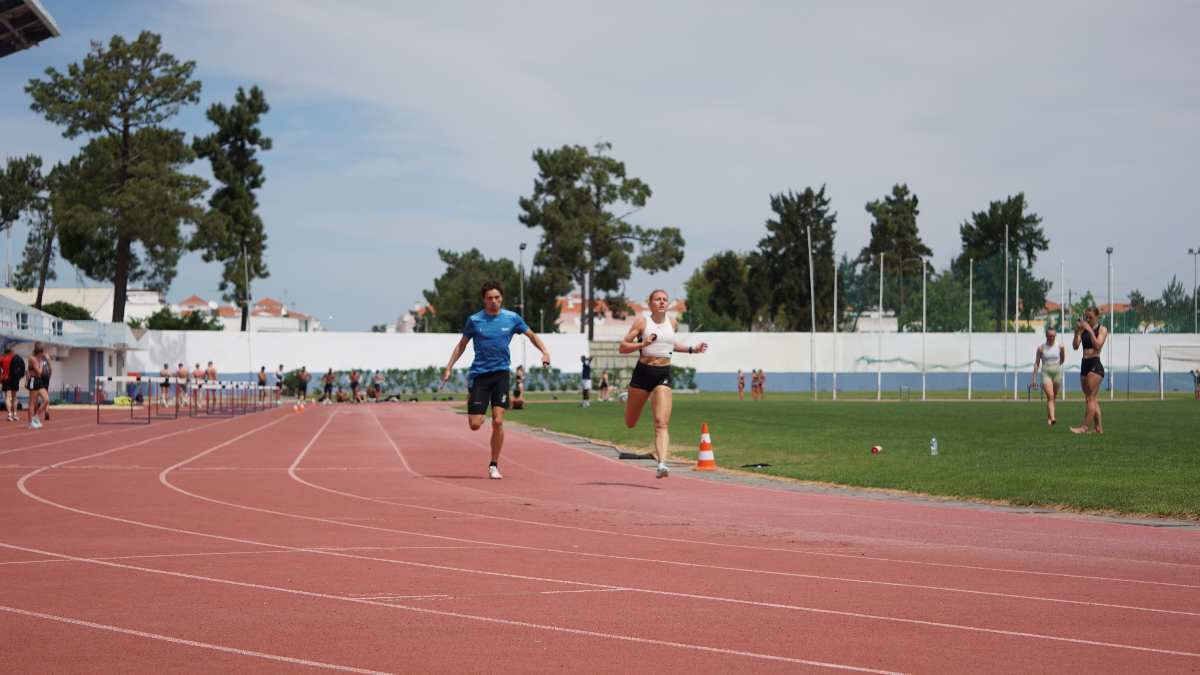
(492,330)
(651,377)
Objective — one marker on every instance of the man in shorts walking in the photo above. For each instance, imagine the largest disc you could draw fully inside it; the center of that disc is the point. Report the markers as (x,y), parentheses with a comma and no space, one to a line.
(278,384)
(585,381)
(492,330)
(11,363)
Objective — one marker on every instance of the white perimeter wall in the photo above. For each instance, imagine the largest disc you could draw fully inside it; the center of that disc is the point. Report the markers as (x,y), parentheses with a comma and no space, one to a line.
(901,353)
(231,355)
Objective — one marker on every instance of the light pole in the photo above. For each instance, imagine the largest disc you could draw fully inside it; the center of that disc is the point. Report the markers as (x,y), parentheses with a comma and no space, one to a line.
(879,360)
(1195,306)
(835,320)
(812,297)
(522,271)
(1112,316)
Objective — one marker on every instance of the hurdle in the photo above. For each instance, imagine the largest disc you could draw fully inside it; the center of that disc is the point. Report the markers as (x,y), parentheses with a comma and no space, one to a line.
(133,390)
(157,393)
(226,398)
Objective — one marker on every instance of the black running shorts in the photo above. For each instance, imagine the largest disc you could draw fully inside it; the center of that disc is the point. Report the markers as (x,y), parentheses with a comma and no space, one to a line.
(648,377)
(487,389)
(1091,365)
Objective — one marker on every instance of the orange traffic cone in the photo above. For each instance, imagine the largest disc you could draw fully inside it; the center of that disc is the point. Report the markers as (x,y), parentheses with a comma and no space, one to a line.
(706,461)
(295,408)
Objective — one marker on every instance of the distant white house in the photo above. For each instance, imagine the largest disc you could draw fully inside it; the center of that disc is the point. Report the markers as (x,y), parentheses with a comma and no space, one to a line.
(266,316)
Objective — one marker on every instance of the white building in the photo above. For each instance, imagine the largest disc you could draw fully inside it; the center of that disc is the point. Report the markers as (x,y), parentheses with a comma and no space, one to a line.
(266,316)
(139,302)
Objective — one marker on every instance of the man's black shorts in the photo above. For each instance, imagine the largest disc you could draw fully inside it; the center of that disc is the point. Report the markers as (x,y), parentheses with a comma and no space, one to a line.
(488,388)
(10,385)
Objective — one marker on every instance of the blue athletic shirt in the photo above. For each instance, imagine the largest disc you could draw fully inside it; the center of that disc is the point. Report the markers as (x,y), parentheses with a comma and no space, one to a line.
(492,335)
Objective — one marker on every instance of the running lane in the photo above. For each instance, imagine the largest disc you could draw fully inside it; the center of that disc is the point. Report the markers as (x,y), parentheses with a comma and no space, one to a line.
(368,539)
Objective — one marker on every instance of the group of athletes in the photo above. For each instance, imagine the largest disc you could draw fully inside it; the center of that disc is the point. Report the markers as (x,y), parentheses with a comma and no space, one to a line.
(492,329)
(1050,357)
(36,376)
(189,383)
(758,383)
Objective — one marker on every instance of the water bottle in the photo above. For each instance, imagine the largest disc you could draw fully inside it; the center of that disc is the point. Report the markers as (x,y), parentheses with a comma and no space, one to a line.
(933,447)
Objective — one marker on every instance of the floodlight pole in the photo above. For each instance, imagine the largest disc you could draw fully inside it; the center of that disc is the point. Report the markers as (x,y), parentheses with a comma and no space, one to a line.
(1017,329)
(970,322)
(1004,351)
(1112,317)
(1195,302)
(835,319)
(924,275)
(521,268)
(812,297)
(879,360)
(1062,315)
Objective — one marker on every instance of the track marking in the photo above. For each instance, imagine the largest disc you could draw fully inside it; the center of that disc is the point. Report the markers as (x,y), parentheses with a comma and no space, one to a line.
(192,643)
(319,432)
(24,489)
(576,631)
(481,595)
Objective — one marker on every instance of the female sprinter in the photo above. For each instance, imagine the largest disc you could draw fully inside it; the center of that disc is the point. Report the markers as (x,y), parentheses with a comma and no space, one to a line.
(651,377)
(1091,371)
(1050,357)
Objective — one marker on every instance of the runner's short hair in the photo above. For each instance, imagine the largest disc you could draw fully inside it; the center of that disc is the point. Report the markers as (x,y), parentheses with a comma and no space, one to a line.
(489,285)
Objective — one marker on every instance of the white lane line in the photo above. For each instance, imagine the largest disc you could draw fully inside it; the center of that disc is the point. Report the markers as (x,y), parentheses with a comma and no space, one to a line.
(481,595)
(192,643)
(68,440)
(856,615)
(292,472)
(443,613)
(328,420)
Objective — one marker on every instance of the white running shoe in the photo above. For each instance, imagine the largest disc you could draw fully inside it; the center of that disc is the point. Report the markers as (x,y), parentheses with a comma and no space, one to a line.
(33,424)
(662,472)
(493,472)
(39,422)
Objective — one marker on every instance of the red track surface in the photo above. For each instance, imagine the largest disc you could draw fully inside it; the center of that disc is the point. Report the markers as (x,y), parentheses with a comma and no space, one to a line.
(368,539)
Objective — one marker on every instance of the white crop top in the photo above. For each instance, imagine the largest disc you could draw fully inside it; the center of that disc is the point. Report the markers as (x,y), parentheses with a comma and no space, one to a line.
(1050,355)
(664,343)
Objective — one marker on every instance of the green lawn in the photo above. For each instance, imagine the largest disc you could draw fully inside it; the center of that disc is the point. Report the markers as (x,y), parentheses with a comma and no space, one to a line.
(1147,462)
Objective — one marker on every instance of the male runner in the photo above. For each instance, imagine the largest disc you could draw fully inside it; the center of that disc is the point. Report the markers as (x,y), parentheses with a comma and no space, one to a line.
(278,384)
(302,379)
(492,330)
(262,385)
(328,379)
(378,385)
(585,382)
(210,375)
(181,380)
(197,381)
(354,378)
(10,382)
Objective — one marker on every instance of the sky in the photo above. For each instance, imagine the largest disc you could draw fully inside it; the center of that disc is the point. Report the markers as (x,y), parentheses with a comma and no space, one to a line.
(401,128)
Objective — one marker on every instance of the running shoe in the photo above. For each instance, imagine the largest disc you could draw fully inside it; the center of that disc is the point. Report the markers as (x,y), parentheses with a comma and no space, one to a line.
(493,472)
(33,424)
(662,472)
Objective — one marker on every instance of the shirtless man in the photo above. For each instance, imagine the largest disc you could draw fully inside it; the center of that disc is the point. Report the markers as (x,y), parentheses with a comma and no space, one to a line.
(328,379)
(197,380)
(355,376)
(262,385)
(164,389)
(181,381)
(210,377)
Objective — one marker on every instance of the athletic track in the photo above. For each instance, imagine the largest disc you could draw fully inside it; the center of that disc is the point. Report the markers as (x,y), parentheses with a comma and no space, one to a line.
(367,539)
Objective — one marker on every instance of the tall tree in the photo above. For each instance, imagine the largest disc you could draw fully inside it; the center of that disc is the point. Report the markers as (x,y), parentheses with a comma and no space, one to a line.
(122,94)
(20,184)
(894,234)
(719,297)
(983,241)
(455,295)
(783,260)
(571,202)
(231,232)
(37,265)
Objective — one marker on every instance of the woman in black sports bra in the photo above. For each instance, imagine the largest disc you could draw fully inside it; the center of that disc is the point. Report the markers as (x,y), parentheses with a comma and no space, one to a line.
(1092,337)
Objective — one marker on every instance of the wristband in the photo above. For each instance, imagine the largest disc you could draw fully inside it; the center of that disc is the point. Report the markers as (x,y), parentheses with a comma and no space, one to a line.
(689,350)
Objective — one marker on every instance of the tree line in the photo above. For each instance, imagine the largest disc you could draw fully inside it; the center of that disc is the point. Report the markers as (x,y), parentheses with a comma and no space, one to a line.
(117,210)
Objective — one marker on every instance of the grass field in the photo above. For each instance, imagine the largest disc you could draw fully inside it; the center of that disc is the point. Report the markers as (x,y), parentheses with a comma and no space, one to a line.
(1147,461)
